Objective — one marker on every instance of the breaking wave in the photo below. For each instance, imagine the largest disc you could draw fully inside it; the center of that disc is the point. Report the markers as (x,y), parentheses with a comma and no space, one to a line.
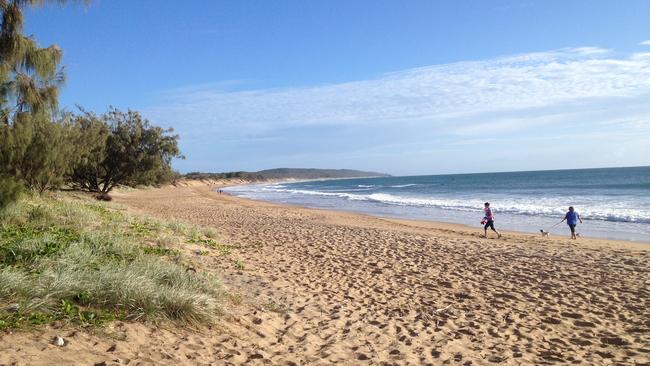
(531,206)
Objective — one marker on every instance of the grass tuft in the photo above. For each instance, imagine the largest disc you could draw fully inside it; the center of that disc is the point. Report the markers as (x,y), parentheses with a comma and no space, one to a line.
(75,259)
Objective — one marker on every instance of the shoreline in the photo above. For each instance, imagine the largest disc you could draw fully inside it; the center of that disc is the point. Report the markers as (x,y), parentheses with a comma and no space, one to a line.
(425,223)
(358,289)
(312,286)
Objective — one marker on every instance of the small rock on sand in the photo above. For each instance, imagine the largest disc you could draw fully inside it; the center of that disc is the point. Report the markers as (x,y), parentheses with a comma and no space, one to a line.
(58,341)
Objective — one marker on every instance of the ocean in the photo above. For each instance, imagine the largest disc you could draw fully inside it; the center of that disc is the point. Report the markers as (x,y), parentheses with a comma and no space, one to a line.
(614,203)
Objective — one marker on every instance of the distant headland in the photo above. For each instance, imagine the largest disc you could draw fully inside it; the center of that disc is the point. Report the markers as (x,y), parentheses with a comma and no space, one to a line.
(286,173)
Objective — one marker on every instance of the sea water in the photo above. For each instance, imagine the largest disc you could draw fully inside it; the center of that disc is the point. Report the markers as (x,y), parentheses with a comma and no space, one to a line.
(614,203)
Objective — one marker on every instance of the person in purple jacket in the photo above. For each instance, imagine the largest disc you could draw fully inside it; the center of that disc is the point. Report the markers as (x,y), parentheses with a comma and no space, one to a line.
(572,218)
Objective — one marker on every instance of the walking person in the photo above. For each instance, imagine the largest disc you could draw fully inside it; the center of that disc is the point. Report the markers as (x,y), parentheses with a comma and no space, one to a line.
(572,218)
(488,220)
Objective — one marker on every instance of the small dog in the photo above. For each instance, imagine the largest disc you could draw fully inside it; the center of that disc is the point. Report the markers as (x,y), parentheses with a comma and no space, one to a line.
(545,234)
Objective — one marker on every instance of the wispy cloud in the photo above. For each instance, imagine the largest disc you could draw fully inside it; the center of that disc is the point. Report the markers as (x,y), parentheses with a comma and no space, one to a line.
(430,93)
(645,43)
(505,95)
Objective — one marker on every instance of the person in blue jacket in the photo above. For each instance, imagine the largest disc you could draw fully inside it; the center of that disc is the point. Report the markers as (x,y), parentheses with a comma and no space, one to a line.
(572,218)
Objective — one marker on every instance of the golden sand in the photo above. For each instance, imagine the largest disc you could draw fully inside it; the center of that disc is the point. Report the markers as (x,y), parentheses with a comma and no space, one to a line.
(321,287)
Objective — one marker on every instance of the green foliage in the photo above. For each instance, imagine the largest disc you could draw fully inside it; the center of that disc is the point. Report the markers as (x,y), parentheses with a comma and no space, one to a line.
(34,150)
(239,265)
(122,148)
(22,244)
(24,149)
(42,152)
(9,191)
(106,214)
(87,316)
(143,227)
(210,243)
(224,249)
(93,134)
(21,320)
(285,173)
(29,75)
(68,310)
(161,251)
(10,185)
(70,260)
(38,151)
(83,262)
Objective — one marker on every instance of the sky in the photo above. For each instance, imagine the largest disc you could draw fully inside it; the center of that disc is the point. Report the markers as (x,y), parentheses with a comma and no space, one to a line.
(402,87)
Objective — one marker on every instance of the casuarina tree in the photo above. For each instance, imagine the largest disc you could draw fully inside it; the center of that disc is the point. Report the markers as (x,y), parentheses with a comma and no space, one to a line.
(121,148)
(29,81)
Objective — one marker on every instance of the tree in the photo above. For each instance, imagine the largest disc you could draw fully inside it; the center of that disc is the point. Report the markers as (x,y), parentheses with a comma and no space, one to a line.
(29,75)
(122,148)
(48,156)
(92,134)
(29,80)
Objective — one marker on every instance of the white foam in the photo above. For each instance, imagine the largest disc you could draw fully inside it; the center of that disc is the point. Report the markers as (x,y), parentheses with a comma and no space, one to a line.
(589,208)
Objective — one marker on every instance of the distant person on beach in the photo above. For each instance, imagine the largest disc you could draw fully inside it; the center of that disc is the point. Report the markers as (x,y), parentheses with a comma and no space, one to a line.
(572,218)
(488,220)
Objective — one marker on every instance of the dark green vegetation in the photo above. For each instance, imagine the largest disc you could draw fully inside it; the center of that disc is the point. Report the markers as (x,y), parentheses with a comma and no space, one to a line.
(120,148)
(29,80)
(42,148)
(287,173)
(72,259)
(77,260)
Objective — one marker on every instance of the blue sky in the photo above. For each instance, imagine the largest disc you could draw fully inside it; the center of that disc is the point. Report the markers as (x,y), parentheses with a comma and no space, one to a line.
(416,87)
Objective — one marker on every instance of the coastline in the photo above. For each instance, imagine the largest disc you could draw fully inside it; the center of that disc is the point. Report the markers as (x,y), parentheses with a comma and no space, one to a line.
(427,223)
(311,286)
(415,292)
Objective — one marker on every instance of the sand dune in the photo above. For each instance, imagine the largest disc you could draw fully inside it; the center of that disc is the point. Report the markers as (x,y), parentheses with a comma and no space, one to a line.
(322,288)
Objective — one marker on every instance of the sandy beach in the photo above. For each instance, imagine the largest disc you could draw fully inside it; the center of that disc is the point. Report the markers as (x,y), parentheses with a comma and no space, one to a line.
(323,287)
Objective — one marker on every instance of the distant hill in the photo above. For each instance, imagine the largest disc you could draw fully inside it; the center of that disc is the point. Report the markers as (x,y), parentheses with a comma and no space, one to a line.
(316,173)
(287,173)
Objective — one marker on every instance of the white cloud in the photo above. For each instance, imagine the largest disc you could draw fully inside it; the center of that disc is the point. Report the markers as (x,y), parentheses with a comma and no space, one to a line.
(425,96)
(589,50)
(645,43)
(638,124)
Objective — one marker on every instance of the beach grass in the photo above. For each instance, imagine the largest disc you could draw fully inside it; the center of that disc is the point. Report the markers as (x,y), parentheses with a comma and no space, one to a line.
(67,257)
